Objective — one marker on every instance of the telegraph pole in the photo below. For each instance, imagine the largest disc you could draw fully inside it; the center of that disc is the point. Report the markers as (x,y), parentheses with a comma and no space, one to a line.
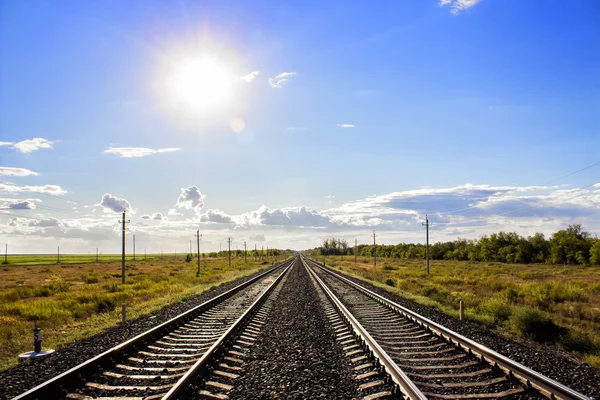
(244,252)
(123,250)
(198,241)
(355,249)
(229,242)
(426,224)
(374,251)
(134,247)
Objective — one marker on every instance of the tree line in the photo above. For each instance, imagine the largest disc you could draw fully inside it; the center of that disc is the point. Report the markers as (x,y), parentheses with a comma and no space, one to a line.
(568,246)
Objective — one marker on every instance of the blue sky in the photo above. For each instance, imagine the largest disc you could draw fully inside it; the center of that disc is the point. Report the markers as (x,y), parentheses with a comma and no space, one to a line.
(350,117)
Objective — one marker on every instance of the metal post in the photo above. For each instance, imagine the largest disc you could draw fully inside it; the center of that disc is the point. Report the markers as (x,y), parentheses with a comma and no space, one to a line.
(244,252)
(123,251)
(426,241)
(229,242)
(374,251)
(198,242)
(37,340)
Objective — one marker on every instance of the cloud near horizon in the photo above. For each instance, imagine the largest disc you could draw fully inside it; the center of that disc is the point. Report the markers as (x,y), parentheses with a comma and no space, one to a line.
(138,152)
(13,171)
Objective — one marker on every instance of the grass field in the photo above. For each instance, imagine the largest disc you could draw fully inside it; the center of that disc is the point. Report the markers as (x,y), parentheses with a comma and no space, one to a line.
(69,301)
(548,303)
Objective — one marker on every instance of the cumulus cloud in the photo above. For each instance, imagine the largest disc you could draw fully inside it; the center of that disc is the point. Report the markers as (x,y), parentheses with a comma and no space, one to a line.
(250,77)
(12,171)
(216,216)
(114,203)
(30,145)
(48,189)
(46,223)
(458,6)
(22,205)
(257,238)
(280,80)
(137,152)
(190,199)
(346,126)
(173,212)
(5,143)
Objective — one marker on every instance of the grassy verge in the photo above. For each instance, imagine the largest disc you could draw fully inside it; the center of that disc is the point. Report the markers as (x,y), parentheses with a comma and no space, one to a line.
(559,305)
(72,301)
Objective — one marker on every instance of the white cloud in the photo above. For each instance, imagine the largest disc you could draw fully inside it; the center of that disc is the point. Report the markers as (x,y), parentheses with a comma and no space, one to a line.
(48,189)
(280,80)
(12,171)
(173,212)
(22,205)
(250,77)
(46,223)
(137,152)
(216,216)
(457,6)
(257,238)
(114,203)
(30,145)
(346,126)
(190,199)
(5,143)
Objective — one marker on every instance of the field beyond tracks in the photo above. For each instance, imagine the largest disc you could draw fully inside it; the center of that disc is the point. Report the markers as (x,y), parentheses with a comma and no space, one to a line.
(70,301)
(551,304)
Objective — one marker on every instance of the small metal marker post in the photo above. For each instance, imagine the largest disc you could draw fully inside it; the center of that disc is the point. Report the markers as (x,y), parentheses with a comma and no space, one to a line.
(37,340)
(124,313)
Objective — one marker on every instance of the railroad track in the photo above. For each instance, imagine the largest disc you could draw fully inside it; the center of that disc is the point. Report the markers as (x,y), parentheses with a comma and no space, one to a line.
(425,359)
(166,361)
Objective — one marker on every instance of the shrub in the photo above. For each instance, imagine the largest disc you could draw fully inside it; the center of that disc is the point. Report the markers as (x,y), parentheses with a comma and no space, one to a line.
(188,258)
(575,340)
(390,282)
(497,308)
(535,324)
(91,278)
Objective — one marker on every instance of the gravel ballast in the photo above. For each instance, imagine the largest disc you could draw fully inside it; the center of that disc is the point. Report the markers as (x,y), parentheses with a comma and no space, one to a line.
(296,355)
(23,377)
(548,361)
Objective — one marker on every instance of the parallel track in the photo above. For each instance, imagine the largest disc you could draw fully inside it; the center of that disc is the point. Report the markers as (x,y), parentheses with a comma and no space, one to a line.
(427,360)
(163,362)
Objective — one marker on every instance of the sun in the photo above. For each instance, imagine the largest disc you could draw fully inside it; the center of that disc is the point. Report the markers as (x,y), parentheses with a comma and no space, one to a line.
(201,83)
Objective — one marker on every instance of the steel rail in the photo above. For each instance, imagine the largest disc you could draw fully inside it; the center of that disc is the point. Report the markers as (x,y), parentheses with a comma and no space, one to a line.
(407,387)
(547,386)
(60,385)
(183,388)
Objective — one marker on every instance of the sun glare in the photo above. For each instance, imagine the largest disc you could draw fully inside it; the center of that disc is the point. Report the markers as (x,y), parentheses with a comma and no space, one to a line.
(201,83)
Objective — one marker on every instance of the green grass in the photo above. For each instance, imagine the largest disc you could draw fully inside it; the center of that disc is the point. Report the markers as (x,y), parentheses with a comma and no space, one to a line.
(72,301)
(553,304)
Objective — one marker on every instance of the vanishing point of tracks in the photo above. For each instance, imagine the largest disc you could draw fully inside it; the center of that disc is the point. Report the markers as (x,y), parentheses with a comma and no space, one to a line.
(388,350)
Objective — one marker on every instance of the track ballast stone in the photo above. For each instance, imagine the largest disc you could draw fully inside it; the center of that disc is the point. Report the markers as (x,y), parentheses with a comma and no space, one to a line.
(296,355)
(25,376)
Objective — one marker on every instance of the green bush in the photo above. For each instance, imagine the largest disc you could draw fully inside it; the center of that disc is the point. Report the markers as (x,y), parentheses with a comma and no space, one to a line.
(390,282)
(91,278)
(535,324)
(575,340)
(497,308)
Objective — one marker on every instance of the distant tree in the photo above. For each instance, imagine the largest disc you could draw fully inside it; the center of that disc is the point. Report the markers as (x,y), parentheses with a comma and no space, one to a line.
(595,253)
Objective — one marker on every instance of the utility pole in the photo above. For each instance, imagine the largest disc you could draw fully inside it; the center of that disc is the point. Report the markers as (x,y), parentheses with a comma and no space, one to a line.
(123,250)
(244,252)
(134,247)
(374,251)
(58,255)
(426,224)
(198,242)
(229,242)
(355,249)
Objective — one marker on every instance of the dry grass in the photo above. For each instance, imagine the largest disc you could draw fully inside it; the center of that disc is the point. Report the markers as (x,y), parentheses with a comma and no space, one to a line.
(72,301)
(548,303)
